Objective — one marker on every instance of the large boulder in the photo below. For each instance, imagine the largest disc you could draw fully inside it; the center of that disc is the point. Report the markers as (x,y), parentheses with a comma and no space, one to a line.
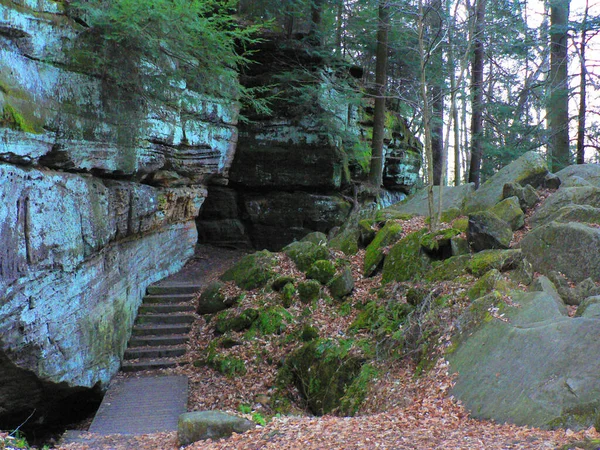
(522,368)
(201,425)
(305,254)
(569,248)
(488,231)
(453,198)
(406,260)
(510,211)
(579,174)
(530,168)
(252,271)
(566,197)
(374,255)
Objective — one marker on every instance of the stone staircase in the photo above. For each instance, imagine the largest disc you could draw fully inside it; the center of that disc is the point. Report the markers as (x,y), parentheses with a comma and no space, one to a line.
(161,329)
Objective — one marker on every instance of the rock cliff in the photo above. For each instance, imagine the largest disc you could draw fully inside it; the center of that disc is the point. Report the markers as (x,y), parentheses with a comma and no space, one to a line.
(98,198)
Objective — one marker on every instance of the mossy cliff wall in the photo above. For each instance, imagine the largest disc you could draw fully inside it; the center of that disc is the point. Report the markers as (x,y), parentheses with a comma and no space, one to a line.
(98,198)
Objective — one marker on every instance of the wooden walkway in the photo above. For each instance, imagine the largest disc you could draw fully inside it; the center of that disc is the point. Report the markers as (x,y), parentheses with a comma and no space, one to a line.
(141,405)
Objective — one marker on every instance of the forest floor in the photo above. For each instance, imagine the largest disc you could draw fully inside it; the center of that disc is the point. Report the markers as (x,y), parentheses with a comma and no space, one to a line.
(403,409)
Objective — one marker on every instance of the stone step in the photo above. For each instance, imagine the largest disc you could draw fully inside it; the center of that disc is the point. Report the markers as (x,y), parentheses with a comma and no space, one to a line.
(170,351)
(153,329)
(167,298)
(149,364)
(155,341)
(173,289)
(165,318)
(158,308)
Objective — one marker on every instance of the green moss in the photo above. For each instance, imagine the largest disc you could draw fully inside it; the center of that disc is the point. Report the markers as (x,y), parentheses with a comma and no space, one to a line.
(321,370)
(309,290)
(315,237)
(434,241)
(382,319)
(228,365)
(383,215)
(357,392)
(450,214)
(224,322)
(501,260)
(374,255)
(14,119)
(448,269)
(406,260)
(252,271)
(492,280)
(309,333)
(287,295)
(322,271)
(305,254)
(462,224)
(346,241)
(578,417)
(280,282)
(273,320)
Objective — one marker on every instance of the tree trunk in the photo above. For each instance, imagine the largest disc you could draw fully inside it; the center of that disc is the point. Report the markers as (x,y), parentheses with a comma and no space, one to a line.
(558,105)
(316,16)
(582,89)
(477,93)
(376,172)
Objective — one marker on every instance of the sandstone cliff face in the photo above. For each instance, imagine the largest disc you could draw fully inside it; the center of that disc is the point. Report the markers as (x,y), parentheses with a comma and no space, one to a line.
(97,200)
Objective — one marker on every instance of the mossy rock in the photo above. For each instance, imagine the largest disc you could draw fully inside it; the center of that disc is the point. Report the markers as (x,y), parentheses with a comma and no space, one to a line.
(438,242)
(501,260)
(448,269)
(488,231)
(280,282)
(309,333)
(510,211)
(342,285)
(228,365)
(479,312)
(383,319)
(273,320)
(346,241)
(357,392)
(309,290)
(252,271)
(287,295)
(322,271)
(386,214)
(322,370)
(450,214)
(459,246)
(212,300)
(243,321)
(374,255)
(491,281)
(305,254)
(315,237)
(462,224)
(406,260)
(366,231)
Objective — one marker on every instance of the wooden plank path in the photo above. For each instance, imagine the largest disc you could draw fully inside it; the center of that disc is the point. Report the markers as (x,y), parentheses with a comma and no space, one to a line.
(144,405)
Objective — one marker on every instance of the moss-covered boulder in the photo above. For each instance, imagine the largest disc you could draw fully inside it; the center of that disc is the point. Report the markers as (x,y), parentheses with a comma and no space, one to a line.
(200,425)
(459,246)
(315,237)
(374,255)
(570,248)
(530,168)
(590,307)
(366,231)
(273,320)
(384,215)
(437,243)
(572,175)
(309,290)
(537,352)
(212,300)
(278,283)
(487,231)
(490,281)
(566,197)
(448,269)
(501,260)
(406,260)
(225,322)
(526,195)
(322,370)
(287,295)
(510,211)
(252,271)
(323,271)
(342,285)
(305,254)
(346,240)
